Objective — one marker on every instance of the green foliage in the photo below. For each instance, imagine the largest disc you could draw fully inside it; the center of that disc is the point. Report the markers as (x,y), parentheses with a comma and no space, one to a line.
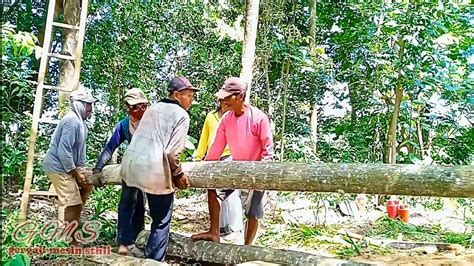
(9,222)
(363,51)
(367,43)
(105,199)
(17,96)
(352,251)
(17,50)
(356,64)
(303,233)
(388,228)
(18,260)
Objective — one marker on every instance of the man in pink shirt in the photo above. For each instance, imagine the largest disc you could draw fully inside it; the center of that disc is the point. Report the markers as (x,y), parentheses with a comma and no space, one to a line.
(247,131)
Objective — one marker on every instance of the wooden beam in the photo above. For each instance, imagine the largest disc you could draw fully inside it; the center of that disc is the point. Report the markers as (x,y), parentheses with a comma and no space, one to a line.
(389,179)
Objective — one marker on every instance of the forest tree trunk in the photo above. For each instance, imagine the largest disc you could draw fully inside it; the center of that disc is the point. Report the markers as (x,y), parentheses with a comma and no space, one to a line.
(390,153)
(388,179)
(250,37)
(285,101)
(72,14)
(312,44)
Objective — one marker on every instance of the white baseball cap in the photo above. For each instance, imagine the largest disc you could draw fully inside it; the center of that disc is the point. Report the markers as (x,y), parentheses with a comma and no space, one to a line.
(82,95)
(135,96)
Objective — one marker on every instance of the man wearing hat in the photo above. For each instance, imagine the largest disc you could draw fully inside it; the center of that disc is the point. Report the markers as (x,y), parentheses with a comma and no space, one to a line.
(152,161)
(131,210)
(246,130)
(66,156)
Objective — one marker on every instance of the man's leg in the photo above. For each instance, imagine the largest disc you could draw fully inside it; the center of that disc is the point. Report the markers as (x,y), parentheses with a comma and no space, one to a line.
(125,234)
(85,191)
(214,212)
(138,219)
(254,212)
(69,197)
(251,230)
(161,210)
(72,213)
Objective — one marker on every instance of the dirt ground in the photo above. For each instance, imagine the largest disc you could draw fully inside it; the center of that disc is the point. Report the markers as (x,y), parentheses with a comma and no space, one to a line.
(191,216)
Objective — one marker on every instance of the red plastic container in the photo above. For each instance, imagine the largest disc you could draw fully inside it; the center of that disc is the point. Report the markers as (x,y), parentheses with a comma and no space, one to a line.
(392,208)
(404,213)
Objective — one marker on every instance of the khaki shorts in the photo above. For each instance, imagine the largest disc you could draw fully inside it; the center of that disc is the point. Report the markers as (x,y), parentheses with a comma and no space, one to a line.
(67,189)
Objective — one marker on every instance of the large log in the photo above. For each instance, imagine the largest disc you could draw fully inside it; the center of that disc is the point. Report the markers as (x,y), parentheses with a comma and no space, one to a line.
(393,179)
(206,251)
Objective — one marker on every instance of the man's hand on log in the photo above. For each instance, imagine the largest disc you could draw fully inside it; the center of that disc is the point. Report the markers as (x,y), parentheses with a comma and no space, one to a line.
(181,182)
(81,179)
(207,236)
(97,177)
(79,175)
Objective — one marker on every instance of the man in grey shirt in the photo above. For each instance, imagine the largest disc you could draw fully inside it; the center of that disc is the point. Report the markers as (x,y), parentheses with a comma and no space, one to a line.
(66,156)
(152,161)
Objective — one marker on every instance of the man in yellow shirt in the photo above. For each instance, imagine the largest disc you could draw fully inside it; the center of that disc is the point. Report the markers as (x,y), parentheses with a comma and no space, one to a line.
(209,131)
(232,227)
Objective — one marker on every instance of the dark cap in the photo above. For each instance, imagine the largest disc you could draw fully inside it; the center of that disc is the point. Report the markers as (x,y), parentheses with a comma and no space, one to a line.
(232,86)
(179,84)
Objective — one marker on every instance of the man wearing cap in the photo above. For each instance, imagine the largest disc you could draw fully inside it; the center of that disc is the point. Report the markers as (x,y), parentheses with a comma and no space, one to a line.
(66,156)
(247,131)
(131,210)
(152,161)
(231,223)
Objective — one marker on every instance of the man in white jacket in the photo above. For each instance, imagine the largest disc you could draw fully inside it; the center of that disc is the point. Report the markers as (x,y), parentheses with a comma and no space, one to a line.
(152,161)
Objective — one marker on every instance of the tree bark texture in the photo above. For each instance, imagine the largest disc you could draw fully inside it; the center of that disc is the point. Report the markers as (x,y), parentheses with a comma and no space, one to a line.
(250,37)
(116,259)
(206,251)
(419,131)
(72,13)
(391,147)
(389,179)
(312,44)
(285,101)
(269,98)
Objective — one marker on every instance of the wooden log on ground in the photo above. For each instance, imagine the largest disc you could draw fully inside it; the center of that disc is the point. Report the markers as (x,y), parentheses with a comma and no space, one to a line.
(206,251)
(389,179)
(404,245)
(116,259)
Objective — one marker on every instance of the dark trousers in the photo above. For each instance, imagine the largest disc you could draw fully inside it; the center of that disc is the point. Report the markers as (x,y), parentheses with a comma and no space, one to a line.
(161,209)
(131,215)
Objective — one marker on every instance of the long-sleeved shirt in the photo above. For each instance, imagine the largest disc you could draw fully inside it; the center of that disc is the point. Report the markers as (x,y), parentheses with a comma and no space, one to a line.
(249,136)
(121,134)
(67,150)
(208,134)
(153,156)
